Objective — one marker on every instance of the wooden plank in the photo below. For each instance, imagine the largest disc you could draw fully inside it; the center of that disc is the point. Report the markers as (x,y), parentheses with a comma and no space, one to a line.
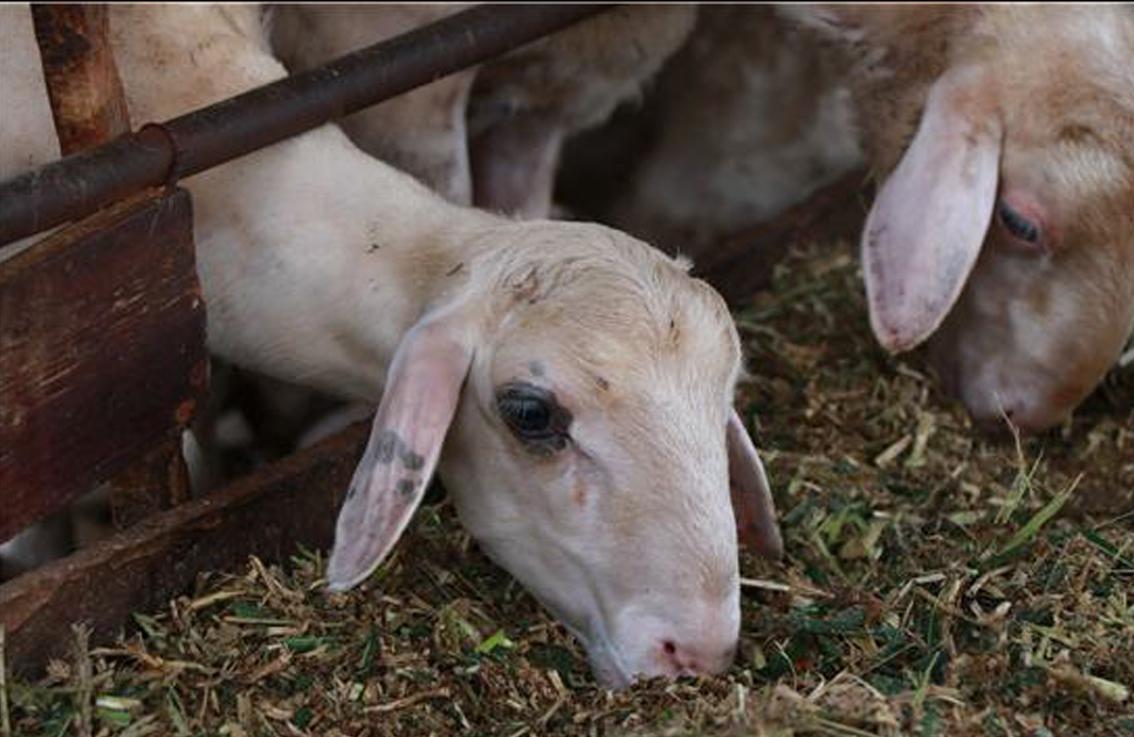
(86,95)
(89,108)
(743,263)
(268,513)
(102,352)
(157,481)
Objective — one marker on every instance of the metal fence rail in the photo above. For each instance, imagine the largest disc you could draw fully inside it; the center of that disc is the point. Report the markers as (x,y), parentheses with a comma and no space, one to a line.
(79,185)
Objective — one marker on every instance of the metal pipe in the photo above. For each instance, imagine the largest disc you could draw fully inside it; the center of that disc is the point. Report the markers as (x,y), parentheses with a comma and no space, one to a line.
(81,184)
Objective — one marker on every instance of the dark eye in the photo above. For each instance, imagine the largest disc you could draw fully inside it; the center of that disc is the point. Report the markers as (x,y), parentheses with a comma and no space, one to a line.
(1016,224)
(527,415)
(533,415)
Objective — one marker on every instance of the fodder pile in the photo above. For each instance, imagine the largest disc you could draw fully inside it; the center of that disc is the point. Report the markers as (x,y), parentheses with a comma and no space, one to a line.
(936,583)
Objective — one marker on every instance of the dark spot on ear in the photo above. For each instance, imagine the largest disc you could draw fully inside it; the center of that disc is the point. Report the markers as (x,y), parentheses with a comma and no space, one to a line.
(536,368)
(405,487)
(387,445)
(351,492)
(455,269)
(411,460)
(373,247)
(602,383)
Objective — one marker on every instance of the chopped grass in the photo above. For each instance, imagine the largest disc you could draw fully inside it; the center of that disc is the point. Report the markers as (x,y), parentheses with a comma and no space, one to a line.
(936,583)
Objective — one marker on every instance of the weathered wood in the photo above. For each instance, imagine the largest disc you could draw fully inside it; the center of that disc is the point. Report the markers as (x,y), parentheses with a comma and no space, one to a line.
(268,513)
(86,95)
(101,352)
(89,108)
(743,263)
(151,484)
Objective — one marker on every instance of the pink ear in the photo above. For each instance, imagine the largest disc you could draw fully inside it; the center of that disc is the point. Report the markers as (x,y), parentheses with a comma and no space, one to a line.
(925,230)
(751,496)
(422,392)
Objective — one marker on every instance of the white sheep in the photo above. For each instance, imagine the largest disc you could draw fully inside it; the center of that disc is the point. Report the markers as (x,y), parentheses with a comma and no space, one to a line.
(579,382)
(490,135)
(744,121)
(1003,231)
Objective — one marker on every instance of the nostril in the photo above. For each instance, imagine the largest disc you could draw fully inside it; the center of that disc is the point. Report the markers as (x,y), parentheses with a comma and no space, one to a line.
(679,660)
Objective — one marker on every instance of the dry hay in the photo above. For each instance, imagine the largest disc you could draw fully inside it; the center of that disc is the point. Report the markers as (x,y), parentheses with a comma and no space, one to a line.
(935,583)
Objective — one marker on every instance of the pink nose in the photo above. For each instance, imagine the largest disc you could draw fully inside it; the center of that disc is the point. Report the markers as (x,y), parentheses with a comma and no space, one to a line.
(682,659)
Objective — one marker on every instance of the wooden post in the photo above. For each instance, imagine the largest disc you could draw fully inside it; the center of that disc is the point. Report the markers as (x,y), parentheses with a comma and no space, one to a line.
(82,80)
(89,107)
(153,483)
(102,356)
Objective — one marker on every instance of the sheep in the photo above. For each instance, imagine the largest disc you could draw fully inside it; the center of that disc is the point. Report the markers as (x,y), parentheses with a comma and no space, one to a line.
(1002,235)
(491,135)
(578,382)
(744,121)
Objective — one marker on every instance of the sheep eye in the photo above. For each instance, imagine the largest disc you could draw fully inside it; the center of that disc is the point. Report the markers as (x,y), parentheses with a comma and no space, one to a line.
(533,415)
(527,415)
(1016,224)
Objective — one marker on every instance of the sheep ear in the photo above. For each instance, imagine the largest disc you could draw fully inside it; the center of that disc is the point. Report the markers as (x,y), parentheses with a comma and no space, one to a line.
(423,389)
(924,233)
(751,495)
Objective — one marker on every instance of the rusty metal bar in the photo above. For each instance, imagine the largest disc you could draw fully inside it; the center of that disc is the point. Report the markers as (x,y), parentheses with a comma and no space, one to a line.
(81,184)
(86,95)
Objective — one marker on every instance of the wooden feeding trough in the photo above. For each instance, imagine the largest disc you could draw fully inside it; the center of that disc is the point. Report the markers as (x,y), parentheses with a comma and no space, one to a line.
(102,322)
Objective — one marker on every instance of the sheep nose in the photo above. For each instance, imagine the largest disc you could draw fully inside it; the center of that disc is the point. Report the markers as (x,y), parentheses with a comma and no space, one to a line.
(701,658)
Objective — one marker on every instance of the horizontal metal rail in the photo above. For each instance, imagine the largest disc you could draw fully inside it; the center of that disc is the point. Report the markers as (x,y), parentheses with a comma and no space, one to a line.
(78,185)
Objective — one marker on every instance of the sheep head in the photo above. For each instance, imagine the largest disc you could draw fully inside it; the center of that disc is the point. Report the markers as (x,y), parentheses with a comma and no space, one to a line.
(1003,232)
(585,404)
